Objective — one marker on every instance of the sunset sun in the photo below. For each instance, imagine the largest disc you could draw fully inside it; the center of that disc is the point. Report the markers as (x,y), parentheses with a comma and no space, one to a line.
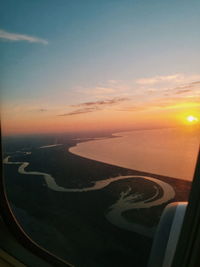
(192,119)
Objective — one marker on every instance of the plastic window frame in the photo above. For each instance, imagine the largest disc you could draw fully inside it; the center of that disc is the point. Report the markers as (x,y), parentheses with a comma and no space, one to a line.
(187,252)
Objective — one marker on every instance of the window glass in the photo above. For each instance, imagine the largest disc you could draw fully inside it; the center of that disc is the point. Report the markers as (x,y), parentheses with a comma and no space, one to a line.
(100,121)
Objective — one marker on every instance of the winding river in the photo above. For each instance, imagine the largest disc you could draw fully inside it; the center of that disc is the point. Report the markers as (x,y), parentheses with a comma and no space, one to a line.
(127,200)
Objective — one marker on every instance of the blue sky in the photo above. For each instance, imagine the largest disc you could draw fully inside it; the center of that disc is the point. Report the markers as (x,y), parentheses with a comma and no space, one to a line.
(62,53)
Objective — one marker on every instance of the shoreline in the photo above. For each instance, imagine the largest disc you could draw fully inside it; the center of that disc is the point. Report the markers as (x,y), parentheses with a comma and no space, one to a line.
(170,157)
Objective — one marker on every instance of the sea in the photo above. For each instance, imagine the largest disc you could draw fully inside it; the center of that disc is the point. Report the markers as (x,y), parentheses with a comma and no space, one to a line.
(169,152)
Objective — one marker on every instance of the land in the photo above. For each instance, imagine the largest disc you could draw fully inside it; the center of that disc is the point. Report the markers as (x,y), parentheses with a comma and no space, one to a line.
(73,225)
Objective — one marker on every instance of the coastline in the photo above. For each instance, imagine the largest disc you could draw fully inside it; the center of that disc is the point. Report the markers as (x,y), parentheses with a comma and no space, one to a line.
(167,152)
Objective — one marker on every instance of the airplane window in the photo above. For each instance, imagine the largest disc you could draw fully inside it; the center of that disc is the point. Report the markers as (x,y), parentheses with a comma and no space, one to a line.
(100,112)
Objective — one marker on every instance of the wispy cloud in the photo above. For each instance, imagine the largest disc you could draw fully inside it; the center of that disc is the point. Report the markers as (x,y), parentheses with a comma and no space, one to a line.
(191,87)
(177,78)
(101,102)
(93,106)
(183,91)
(80,111)
(14,37)
(195,83)
(160,79)
(42,110)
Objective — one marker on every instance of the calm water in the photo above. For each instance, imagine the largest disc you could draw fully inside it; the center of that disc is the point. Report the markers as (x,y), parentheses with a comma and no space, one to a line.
(170,152)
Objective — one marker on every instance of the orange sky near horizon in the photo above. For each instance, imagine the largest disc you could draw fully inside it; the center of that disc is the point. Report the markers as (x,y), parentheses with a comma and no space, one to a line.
(113,118)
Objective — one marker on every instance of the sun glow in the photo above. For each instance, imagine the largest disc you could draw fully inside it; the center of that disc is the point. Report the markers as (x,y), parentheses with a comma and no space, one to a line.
(192,119)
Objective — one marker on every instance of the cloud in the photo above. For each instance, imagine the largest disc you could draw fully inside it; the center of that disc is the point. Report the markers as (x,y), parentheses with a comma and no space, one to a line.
(195,83)
(189,85)
(93,106)
(80,111)
(178,78)
(183,91)
(160,79)
(171,85)
(187,88)
(102,102)
(14,37)
(183,87)
(42,110)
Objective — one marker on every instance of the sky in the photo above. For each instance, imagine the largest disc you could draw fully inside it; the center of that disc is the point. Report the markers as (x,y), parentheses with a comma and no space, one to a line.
(70,66)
